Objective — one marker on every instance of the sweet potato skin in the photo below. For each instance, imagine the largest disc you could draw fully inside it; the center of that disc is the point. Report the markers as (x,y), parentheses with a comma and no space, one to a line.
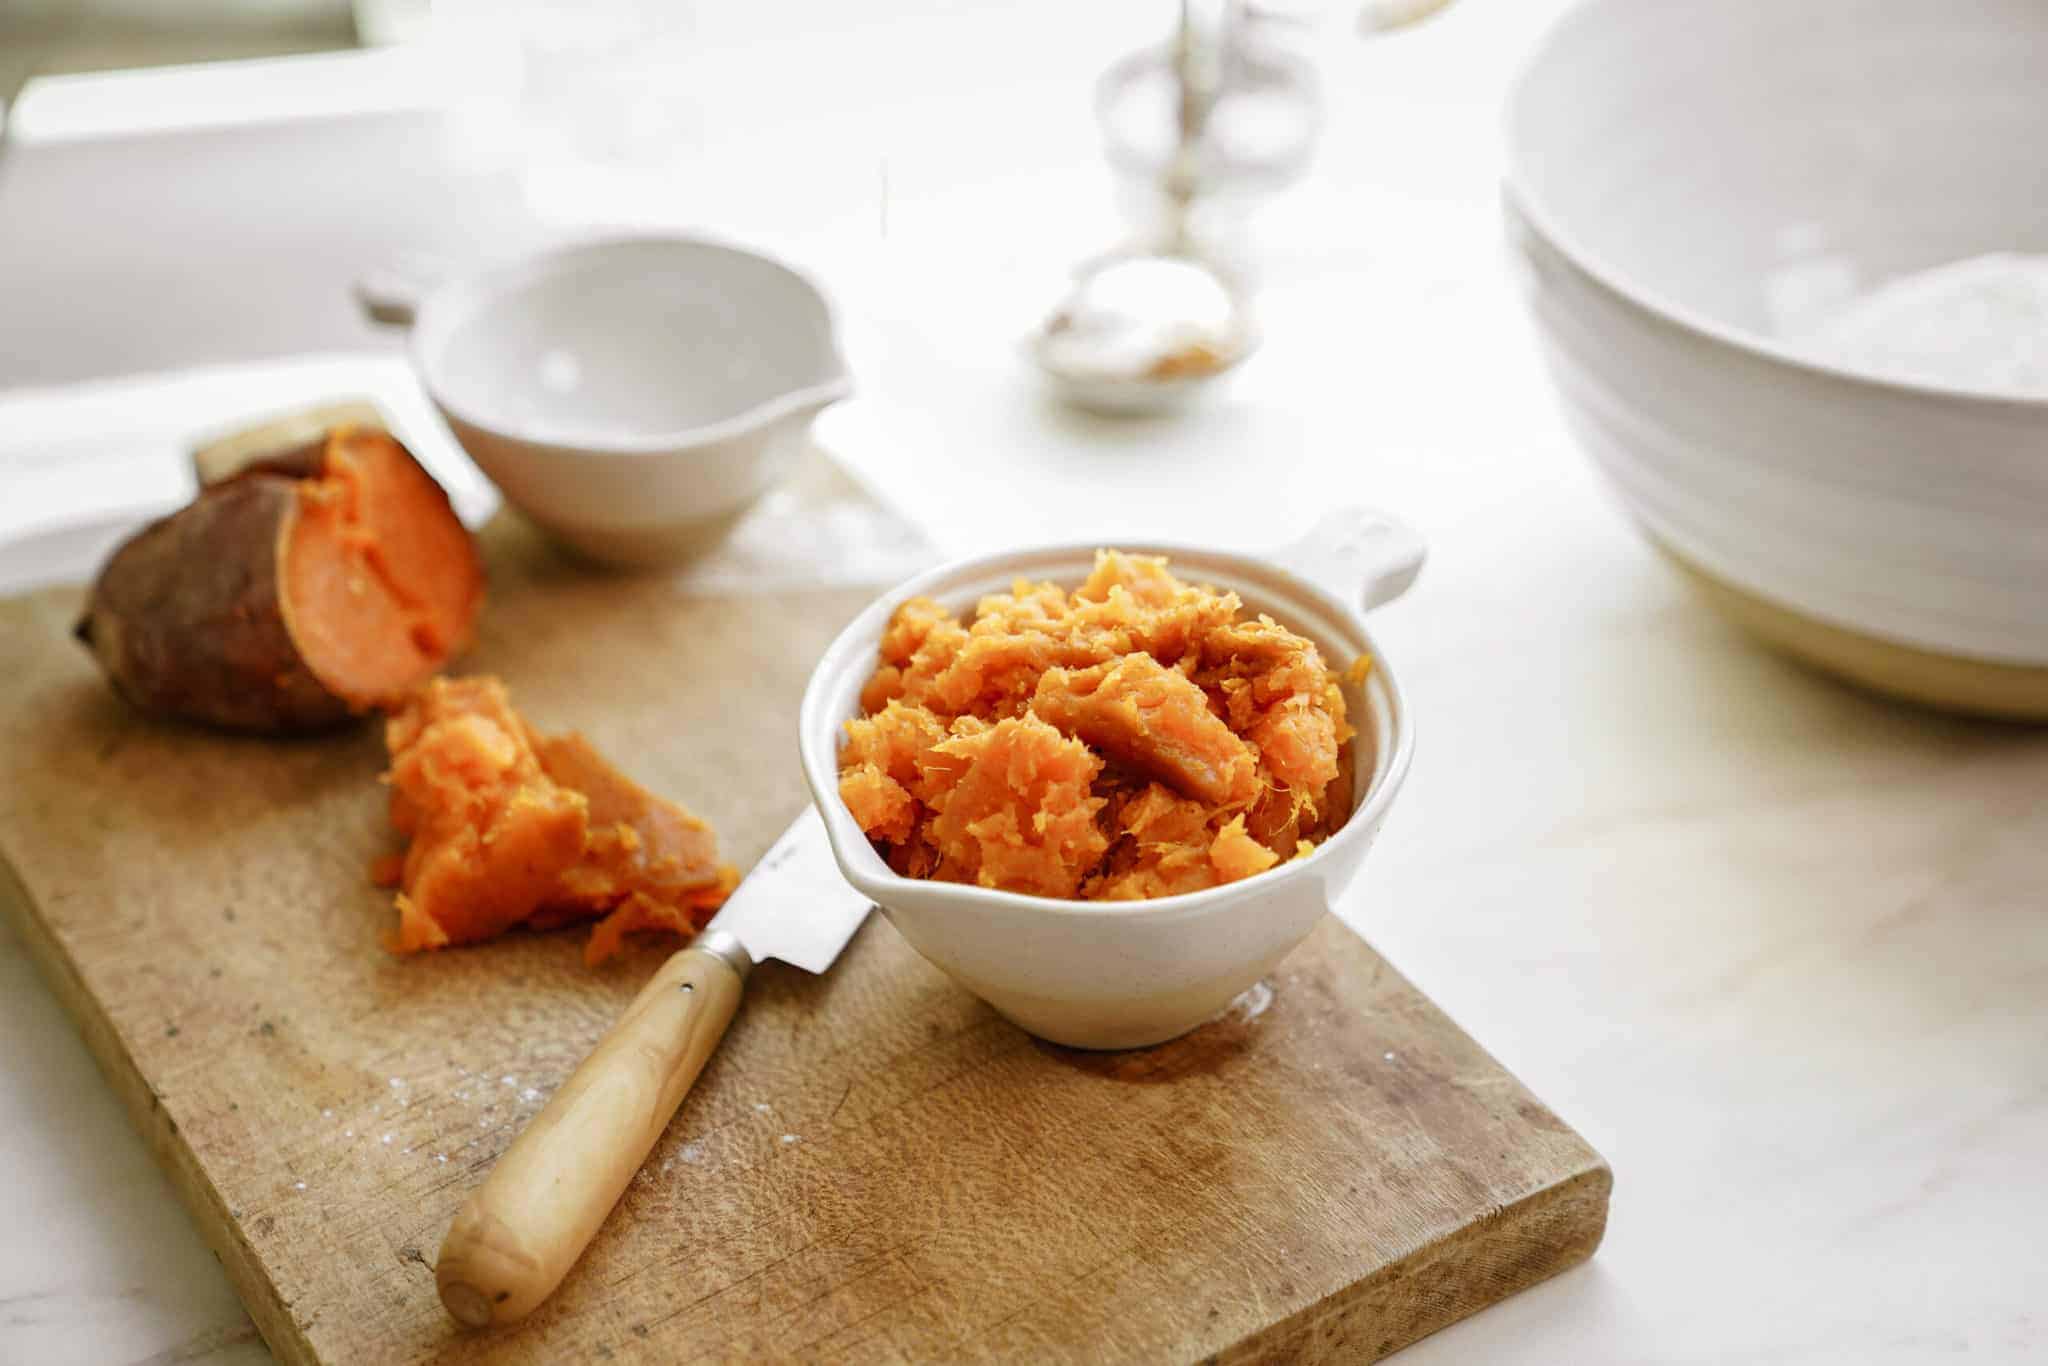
(186,623)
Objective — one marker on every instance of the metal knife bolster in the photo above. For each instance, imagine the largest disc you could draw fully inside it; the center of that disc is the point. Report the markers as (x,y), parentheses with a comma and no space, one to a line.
(726,945)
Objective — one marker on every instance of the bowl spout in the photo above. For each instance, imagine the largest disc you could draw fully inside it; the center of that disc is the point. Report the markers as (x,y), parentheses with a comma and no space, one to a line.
(804,404)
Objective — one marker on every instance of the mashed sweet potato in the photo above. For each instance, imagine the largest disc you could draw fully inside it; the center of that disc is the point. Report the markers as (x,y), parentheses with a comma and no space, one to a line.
(1134,738)
(510,827)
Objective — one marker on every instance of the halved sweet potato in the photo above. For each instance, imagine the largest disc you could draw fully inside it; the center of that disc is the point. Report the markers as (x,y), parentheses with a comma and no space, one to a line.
(308,586)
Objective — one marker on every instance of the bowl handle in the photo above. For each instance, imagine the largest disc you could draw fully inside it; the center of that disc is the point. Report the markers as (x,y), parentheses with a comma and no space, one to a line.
(1357,555)
(392,294)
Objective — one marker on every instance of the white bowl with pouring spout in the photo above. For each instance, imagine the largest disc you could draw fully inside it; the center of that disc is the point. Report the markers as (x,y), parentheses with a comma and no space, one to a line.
(633,397)
(1093,974)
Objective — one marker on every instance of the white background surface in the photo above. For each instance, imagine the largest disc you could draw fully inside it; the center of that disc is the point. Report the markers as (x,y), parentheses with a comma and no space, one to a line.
(1777,950)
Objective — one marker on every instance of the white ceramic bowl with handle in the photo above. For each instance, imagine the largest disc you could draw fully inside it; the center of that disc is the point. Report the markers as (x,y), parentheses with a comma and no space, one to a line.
(633,396)
(1127,974)
(1690,187)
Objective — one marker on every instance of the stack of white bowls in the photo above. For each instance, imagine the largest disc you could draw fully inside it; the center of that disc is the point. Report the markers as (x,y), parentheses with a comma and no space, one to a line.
(1682,178)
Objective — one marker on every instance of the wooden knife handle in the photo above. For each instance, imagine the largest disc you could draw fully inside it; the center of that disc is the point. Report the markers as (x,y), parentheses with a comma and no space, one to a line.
(522,1230)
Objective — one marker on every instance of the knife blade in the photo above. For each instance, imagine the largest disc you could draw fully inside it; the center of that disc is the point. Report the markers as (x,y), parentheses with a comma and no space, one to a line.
(795,906)
(518,1234)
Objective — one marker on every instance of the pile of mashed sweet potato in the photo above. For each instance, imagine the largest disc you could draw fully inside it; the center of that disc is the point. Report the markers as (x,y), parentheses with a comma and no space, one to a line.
(507,826)
(1134,738)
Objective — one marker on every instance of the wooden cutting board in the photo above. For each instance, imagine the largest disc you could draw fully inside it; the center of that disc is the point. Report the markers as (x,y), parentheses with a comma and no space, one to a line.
(875,1167)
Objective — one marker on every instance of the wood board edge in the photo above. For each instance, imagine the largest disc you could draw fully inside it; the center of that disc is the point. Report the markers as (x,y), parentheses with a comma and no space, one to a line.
(1547,1232)
(158,1128)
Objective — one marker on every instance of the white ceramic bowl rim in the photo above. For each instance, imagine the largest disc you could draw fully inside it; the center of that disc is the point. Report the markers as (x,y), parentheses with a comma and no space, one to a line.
(1528,201)
(818,741)
(448,304)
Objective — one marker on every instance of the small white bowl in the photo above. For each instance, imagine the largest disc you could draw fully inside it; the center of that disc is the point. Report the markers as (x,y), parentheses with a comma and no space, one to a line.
(1142,333)
(1128,974)
(632,397)
(1683,181)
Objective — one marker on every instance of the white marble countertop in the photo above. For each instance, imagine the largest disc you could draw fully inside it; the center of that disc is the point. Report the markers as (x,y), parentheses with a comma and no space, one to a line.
(1778,950)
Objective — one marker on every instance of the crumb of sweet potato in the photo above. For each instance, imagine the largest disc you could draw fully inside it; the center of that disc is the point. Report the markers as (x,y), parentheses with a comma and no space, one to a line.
(1195,359)
(509,827)
(685,916)
(1137,737)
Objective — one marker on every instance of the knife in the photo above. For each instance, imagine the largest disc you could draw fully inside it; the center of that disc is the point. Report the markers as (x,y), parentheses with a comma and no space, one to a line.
(521,1231)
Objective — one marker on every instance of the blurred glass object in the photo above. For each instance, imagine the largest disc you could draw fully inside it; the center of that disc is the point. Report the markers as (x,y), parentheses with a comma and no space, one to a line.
(1220,114)
(588,101)
(1372,16)
(1195,127)
(1384,16)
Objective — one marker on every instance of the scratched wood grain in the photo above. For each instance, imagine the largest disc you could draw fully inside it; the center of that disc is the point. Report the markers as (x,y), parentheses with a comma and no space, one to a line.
(873,1168)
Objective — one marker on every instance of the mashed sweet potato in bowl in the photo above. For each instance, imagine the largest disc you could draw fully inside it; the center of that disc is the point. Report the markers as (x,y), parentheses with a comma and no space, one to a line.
(1108,842)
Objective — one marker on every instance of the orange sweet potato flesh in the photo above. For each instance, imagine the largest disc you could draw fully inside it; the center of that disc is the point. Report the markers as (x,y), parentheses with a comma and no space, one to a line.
(492,836)
(307,588)
(382,582)
(1157,721)
(1016,807)
(509,827)
(1137,737)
